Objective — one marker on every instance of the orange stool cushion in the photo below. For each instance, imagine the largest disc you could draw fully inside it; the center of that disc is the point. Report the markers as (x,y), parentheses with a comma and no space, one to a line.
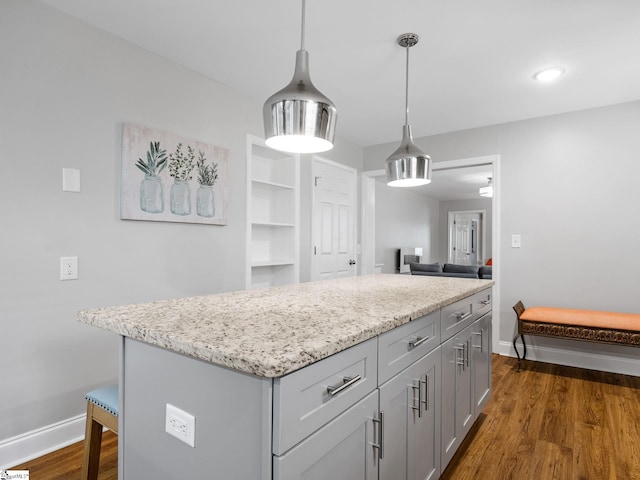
(583,318)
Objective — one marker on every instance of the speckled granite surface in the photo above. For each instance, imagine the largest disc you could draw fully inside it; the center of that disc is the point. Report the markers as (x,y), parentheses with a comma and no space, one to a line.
(272,332)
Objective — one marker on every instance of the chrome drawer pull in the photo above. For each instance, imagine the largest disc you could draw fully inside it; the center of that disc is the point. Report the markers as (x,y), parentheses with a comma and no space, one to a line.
(418,341)
(346,383)
(462,316)
(486,302)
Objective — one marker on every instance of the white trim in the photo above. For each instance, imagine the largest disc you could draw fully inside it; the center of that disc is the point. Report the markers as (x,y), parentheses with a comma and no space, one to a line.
(495,250)
(367,224)
(571,358)
(27,446)
(465,162)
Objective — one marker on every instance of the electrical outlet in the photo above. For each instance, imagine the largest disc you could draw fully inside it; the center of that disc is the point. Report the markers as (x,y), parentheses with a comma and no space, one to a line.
(181,425)
(68,268)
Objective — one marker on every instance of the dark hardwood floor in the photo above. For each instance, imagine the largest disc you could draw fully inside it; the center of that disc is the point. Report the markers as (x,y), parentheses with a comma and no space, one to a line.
(545,422)
(65,464)
(553,422)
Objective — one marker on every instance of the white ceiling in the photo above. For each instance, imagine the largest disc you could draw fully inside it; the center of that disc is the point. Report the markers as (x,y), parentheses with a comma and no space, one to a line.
(472,67)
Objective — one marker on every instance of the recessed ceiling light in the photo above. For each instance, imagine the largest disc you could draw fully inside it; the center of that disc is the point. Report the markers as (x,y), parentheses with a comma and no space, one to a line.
(549,74)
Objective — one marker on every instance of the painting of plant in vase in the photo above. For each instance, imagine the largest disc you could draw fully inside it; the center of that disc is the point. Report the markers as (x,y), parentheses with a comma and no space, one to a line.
(172,179)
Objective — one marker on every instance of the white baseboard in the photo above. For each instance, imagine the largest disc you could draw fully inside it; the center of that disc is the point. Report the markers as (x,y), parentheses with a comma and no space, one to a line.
(580,359)
(27,446)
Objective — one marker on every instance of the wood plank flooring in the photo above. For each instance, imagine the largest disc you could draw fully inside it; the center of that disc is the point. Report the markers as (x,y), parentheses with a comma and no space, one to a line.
(547,422)
(553,422)
(65,464)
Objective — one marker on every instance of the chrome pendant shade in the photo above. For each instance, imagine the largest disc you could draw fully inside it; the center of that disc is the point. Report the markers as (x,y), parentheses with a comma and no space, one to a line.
(299,118)
(408,166)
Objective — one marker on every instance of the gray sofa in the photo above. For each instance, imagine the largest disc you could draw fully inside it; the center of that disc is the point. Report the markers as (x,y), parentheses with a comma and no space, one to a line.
(451,270)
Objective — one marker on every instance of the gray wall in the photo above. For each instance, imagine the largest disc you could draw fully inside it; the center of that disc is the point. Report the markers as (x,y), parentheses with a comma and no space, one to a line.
(65,90)
(404,219)
(464,205)
(569,185)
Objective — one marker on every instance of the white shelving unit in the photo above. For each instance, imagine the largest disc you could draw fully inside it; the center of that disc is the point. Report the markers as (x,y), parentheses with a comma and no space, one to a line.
(273,211)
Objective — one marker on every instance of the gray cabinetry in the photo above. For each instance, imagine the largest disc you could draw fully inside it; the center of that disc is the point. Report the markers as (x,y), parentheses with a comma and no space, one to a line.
(410,403)
(466,380)
(481,348)
(457,403)
(461,314)
(400,347)
(342,449)
(307,399)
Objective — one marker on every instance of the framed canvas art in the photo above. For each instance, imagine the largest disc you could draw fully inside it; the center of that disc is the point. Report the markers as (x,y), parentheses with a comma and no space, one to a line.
(169,178)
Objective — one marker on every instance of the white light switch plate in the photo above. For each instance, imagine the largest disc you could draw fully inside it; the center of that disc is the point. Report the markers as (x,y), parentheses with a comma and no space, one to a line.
(515,241)
(70,180)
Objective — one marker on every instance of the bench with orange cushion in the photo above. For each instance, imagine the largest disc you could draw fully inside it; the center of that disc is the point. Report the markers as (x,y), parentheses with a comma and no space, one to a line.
(589,325)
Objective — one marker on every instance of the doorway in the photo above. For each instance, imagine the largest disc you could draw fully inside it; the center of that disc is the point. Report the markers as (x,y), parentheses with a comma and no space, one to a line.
(466,238)
(333,222)
(368,246)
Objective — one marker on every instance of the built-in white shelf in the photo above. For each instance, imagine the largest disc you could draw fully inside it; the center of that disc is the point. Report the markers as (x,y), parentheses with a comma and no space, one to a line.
(273,211)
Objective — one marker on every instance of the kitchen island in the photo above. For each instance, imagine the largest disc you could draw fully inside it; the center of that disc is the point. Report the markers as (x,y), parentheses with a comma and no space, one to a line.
(288,381)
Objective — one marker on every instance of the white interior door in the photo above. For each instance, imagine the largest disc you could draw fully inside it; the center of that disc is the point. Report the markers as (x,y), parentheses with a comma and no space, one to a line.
(465,238)
(333,220)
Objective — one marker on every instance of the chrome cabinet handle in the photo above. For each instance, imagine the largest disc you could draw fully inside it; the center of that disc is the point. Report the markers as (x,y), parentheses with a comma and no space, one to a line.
(458,349)
(425,402)
(413,407)
(462,316)
(380,444)
(486,302)
(466,344)
(346,383)
(417,342)
(481,339)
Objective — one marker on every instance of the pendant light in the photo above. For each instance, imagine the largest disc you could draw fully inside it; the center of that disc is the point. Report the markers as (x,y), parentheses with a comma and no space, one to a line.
(408,166)
(298,118)
(488,190)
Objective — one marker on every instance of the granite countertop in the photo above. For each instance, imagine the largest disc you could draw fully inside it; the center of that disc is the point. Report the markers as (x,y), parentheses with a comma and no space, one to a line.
(274,331)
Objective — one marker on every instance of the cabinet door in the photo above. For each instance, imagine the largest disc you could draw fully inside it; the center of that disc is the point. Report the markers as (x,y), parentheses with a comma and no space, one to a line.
(410,406)
(457,400)
(423,452)
(481,347)
(341,450)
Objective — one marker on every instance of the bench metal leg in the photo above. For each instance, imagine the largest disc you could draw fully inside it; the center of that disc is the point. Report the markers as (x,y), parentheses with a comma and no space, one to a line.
(524,349)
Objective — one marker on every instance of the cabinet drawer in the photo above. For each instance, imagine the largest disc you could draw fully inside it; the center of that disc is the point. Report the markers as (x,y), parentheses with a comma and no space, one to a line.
(400,347)
(463,313)
(341,449)
(481,303)
(306,399)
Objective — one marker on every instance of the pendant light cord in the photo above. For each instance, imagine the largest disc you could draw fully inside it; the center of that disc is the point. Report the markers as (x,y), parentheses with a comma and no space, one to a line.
(303,17)
(406,105)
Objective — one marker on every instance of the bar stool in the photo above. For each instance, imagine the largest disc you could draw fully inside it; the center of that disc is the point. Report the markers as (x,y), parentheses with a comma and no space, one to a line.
(102,410)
